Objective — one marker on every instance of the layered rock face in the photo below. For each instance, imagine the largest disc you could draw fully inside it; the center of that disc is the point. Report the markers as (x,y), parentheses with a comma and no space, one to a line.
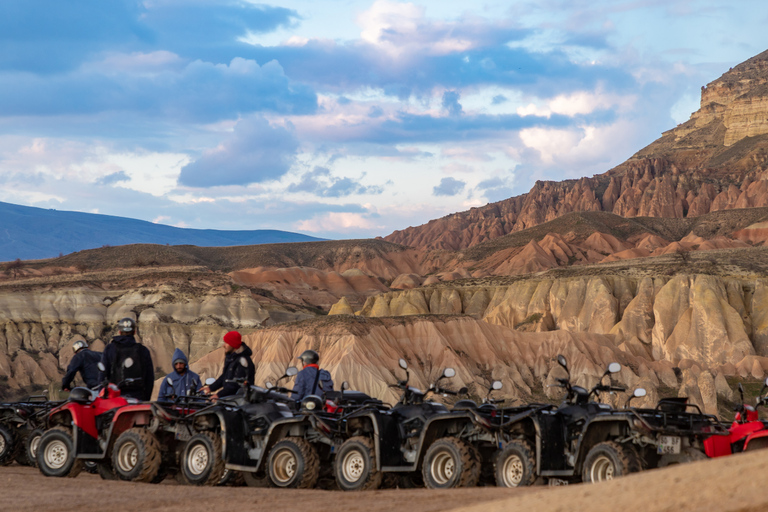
(703,320)
(364,352)
(717,160)
(38,327)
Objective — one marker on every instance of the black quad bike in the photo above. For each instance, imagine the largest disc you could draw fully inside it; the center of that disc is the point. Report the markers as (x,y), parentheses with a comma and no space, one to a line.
(590,441)
(21,425)
(415,438)
(271,438)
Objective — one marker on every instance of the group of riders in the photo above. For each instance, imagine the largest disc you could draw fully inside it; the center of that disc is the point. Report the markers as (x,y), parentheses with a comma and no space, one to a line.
(137,379)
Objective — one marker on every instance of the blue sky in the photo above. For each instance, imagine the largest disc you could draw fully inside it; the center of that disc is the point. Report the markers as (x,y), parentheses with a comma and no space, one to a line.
(341,119)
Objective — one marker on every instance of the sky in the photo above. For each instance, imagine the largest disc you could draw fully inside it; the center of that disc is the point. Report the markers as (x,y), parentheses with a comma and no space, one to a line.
(341,119)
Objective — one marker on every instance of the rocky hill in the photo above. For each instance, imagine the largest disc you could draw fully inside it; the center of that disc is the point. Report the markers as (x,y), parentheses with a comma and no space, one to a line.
(717,160)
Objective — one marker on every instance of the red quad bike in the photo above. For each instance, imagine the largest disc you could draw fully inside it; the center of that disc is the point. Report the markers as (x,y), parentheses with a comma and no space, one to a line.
(89,426)
(747,432)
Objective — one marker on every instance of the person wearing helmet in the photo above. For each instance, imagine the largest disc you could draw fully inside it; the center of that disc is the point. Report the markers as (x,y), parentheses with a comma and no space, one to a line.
(235,354)
(183,380)
(311,380)
(86,362)
(128,364)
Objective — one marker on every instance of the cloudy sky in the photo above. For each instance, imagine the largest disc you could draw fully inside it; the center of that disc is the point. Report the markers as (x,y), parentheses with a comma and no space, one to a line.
(345,118)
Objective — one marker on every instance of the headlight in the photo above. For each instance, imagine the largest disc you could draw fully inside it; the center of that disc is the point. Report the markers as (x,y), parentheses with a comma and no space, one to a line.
(311,403)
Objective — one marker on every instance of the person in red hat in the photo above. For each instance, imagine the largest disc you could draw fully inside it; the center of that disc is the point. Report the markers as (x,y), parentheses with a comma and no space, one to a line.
(237,365)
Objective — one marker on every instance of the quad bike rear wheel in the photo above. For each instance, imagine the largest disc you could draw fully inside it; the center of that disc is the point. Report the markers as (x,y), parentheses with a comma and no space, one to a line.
(7,445)
(608,460)
(515,465)
(450,463)
(201,460)
(136,455)
(56,455)
(253,480)
(355,465)
(31,444)
(293,463)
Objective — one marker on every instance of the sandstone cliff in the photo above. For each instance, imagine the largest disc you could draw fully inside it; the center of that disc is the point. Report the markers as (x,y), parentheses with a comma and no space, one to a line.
(715,161)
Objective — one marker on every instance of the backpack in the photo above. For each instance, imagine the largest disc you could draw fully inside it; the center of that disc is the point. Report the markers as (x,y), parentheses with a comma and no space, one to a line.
(120,372)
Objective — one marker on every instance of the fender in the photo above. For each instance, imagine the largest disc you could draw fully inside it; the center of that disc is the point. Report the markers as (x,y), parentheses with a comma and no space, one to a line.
(80,416)
(760,434)
(619,421)
(128,416)
(275,434)
(374,420)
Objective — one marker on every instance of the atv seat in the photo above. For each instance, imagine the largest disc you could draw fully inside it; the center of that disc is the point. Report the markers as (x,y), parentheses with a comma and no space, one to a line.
(465,405)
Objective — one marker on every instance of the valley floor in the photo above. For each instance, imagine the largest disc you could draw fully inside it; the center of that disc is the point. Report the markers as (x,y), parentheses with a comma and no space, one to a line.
(733,483)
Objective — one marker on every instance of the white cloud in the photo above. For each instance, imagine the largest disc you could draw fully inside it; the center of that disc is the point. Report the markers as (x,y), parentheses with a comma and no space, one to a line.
(337,222)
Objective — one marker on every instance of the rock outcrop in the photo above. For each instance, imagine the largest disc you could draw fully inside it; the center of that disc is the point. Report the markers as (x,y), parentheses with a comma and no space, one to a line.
(715,161)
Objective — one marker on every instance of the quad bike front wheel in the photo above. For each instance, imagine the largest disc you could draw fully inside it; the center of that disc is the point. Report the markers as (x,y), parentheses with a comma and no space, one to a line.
(450,463)
(355,465)
(56,455)
(609,460)
(293,462)
(136,455)
(515,465)
(201,460)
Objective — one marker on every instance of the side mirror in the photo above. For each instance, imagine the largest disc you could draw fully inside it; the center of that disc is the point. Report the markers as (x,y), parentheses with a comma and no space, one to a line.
(562,362)
(463,390)
(291,371)
(268,385)
(243,362)
(169,381)
(344,386)
(128,362)
(766,382)
(209,381)
(496,384)
(741,392)
(101,366)
(402,364)
(639,392)
(614,368)
(449,372)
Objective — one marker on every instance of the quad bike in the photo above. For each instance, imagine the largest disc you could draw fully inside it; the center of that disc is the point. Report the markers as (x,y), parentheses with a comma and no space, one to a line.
(89,426)
(747,432)
(21,425)
(267,436)
(415,438)
(592,442)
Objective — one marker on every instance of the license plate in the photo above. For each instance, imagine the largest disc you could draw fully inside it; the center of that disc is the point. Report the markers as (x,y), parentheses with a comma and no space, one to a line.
(668,444)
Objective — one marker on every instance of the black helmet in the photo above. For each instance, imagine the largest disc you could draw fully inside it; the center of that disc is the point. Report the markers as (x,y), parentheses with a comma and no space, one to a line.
(126,326)
(309,357)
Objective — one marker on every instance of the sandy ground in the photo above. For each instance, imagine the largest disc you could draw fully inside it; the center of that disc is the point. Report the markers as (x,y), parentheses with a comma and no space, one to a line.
(730,484)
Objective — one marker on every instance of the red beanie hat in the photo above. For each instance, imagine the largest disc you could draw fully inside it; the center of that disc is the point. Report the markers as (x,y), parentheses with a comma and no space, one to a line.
(233,339)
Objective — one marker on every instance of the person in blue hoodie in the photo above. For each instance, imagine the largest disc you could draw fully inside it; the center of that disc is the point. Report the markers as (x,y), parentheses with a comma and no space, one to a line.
(311,380)
(185,381)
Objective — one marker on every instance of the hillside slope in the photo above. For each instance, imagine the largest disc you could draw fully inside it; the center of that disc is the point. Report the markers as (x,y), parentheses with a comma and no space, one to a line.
(36,233)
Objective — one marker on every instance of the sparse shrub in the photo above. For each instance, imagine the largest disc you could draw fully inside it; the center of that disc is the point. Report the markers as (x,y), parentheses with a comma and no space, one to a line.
(13,268)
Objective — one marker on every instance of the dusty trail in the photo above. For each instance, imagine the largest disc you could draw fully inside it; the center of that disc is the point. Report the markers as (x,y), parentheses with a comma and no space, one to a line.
(730,484)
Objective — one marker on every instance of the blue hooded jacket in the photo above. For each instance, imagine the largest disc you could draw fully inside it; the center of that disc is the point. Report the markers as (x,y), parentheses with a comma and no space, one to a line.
(184,384)
(305,381)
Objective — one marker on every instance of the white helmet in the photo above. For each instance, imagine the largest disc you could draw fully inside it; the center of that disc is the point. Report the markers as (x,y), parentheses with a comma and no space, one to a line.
(78,345)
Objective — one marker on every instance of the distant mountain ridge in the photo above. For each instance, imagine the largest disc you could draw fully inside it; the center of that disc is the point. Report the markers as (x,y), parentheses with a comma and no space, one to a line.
(37,233)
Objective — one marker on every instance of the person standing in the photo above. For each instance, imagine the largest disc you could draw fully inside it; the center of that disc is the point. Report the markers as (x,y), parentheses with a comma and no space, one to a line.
(311,380)
(86,362)
(234,351)
(184,381)
(128,364)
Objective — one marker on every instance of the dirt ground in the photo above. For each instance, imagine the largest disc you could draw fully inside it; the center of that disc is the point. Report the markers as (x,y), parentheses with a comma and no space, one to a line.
(730,484)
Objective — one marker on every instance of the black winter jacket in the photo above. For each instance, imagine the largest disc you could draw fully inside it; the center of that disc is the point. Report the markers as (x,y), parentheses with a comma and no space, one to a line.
(86,362)
(147,367)
(234,370)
